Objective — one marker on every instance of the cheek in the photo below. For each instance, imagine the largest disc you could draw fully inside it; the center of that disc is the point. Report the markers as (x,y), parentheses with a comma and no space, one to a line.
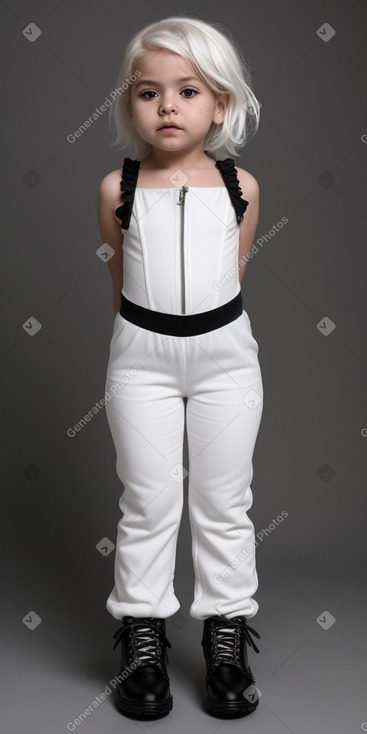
(140,115)
(138,106)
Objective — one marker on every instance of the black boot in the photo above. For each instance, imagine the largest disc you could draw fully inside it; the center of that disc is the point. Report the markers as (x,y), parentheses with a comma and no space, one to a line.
(145,691)
(230,685)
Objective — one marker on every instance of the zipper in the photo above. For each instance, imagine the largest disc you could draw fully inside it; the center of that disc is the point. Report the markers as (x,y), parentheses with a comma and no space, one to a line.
(181,202)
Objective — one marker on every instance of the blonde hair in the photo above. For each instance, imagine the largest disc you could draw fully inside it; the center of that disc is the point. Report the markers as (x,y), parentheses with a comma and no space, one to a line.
(216,57)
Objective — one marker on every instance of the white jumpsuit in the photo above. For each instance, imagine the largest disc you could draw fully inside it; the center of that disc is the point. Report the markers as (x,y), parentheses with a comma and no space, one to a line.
(183,260)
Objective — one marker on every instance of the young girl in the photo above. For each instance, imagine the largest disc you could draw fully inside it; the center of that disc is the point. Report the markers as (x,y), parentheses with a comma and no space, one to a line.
(180,230)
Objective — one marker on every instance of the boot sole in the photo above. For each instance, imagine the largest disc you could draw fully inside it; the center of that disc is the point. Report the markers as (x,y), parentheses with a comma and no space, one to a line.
(154,709)
(229,709)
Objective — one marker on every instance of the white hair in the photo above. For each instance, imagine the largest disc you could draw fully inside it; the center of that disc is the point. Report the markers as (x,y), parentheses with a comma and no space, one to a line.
(215,56)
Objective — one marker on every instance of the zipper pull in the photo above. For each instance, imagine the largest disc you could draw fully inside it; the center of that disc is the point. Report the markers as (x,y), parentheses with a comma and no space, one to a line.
(183,191)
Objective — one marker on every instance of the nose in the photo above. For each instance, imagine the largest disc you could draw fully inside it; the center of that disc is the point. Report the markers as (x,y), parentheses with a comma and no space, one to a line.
(167,106)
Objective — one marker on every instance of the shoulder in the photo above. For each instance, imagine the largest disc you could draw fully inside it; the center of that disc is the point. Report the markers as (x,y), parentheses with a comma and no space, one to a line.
(109,183)
(109,192)
(248,184)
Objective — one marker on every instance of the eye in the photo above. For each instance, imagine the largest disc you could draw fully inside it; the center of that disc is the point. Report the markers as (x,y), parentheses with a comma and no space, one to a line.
(148,92)
(189,90)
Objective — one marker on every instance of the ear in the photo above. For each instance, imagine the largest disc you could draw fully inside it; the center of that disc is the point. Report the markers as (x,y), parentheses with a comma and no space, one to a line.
(221,107)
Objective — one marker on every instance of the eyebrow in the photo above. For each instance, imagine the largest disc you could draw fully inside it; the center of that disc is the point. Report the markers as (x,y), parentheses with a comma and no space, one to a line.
(156,84)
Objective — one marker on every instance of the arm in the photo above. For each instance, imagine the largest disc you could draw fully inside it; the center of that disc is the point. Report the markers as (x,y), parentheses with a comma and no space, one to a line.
(250,192)
(111,232)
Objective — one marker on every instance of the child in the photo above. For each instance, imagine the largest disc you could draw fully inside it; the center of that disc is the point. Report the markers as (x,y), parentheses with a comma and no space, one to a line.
(179,230)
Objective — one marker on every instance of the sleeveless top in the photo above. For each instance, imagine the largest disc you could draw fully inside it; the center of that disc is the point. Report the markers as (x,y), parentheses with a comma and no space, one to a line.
(180,248)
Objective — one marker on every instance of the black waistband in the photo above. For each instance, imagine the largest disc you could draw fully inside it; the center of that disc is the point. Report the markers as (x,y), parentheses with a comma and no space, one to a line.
(181,325)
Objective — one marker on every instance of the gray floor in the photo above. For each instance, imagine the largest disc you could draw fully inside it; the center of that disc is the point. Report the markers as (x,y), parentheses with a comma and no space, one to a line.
(312,677)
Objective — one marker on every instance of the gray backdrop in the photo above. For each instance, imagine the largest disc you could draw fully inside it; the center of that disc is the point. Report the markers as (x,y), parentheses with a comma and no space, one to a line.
(305,292)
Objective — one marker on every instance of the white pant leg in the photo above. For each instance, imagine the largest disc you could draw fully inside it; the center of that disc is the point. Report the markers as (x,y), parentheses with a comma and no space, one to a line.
(146,419)
(223,415)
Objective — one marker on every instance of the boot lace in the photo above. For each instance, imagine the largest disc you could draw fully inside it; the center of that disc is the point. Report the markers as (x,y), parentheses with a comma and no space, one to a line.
(145,640)
(225,636)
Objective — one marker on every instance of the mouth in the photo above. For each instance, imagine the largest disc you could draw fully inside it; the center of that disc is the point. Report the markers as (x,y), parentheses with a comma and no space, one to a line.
(169,126)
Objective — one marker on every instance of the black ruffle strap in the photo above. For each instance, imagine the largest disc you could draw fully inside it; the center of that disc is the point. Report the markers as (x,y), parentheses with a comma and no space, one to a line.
(129,177)
(229,175)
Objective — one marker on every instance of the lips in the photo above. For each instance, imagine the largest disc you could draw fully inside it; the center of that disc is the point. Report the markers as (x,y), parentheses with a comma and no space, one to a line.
(169,124)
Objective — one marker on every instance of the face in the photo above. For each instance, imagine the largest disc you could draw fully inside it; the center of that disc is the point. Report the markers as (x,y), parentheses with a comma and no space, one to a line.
(160,96)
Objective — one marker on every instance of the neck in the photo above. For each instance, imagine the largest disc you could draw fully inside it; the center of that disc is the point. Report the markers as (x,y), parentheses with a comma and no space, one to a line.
(192,158)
